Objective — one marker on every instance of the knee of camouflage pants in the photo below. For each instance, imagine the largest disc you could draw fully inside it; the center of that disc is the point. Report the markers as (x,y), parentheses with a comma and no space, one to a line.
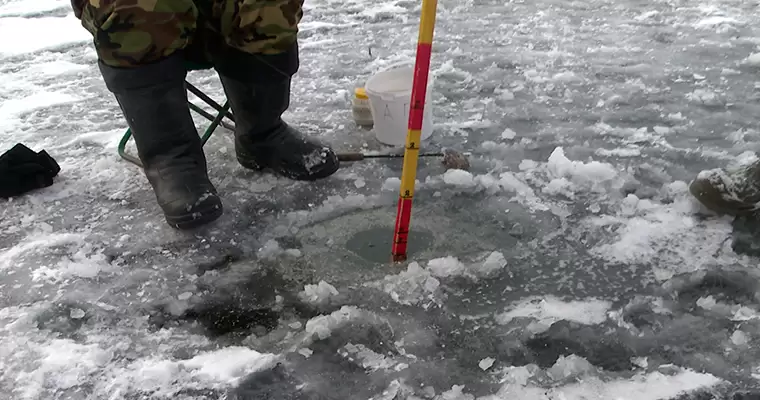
(129,33)
(255,39)
(266,27)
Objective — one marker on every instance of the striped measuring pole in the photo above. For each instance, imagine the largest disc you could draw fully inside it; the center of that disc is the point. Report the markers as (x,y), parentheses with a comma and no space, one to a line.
(416,108)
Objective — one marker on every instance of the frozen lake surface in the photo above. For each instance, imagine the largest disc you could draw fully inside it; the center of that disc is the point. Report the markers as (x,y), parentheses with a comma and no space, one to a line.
(570,263)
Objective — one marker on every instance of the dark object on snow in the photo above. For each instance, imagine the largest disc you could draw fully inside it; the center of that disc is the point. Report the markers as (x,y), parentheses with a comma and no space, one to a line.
(455,160)
(22,170)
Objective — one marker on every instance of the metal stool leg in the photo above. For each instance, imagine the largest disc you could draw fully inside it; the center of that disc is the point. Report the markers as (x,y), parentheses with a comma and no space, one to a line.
(123,152)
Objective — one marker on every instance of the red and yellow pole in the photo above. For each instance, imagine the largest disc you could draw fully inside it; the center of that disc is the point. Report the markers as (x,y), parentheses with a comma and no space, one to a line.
(416,108)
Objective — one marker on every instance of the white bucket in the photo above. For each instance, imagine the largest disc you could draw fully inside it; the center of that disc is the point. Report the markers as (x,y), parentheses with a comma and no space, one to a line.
(390,93)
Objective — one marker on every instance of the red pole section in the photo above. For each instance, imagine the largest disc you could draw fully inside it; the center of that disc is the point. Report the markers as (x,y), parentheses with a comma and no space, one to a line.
(416,112)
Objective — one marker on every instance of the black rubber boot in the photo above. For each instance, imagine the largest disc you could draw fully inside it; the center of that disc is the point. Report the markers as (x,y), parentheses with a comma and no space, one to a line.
(153,100)
(258,89)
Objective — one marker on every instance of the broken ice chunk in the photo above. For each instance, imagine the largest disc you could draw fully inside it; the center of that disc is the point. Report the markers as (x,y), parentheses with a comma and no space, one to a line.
(458,177)
(318,294)
(486,363)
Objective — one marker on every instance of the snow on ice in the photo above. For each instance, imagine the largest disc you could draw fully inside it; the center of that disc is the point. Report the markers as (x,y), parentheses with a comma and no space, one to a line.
(585,122)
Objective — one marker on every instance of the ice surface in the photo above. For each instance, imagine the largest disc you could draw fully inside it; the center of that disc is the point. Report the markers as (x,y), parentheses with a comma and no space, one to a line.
(486,363)
(415,285)
(549,309)
(586,122)
(649,386)
(508,134)
(21,8)
(319,293)
(450,266)
(228,365)
(753,59)
(36,34)
(458,177)
(323,326)
(561,167)
(570,366)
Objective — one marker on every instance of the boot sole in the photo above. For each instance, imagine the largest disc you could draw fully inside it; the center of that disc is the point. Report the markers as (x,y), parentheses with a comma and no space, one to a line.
(197,218)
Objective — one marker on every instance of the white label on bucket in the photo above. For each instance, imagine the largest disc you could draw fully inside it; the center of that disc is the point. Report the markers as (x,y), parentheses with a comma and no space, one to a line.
(388,114)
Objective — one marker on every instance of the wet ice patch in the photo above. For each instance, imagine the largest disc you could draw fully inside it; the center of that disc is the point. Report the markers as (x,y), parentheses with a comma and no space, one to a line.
(548,310)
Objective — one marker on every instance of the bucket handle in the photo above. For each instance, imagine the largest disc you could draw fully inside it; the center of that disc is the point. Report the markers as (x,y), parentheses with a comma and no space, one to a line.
(403,63)
(395,65)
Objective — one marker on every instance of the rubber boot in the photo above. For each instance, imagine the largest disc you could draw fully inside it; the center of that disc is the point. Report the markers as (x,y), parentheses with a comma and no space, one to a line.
(732,191)
(153,99)
(258,89)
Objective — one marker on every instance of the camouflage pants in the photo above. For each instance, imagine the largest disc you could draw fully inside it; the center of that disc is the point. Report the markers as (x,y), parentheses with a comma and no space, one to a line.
(129,33)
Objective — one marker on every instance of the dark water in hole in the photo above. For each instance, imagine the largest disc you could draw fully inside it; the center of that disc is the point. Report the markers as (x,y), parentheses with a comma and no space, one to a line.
(375,245)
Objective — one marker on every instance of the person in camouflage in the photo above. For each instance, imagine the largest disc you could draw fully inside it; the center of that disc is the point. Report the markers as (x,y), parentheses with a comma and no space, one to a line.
(144,47)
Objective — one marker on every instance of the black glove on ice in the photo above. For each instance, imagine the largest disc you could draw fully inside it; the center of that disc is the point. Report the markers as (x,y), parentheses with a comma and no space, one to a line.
(22,170)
